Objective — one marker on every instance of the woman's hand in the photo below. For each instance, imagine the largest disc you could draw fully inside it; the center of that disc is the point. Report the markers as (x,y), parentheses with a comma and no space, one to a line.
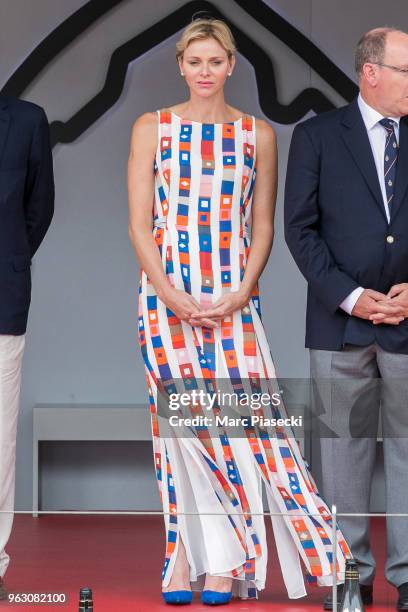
(184,306)
(226,305)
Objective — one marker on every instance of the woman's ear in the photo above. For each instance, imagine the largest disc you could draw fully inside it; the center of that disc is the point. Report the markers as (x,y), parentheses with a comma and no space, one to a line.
(232,64)
(180,63)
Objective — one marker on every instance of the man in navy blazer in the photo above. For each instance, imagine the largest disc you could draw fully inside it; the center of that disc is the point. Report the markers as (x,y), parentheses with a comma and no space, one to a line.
(346,225)
(26,210)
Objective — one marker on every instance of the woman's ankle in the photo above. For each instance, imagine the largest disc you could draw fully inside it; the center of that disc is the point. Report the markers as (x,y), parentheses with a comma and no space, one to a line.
(218,583)
(180,578)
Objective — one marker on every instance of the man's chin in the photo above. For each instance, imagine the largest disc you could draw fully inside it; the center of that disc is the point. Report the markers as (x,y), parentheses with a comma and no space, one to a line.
(403,110)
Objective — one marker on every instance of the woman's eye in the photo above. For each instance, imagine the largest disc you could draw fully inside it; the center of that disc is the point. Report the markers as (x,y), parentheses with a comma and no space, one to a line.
(217,62)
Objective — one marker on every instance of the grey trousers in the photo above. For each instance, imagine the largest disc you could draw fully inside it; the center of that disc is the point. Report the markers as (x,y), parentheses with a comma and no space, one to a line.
(349,387)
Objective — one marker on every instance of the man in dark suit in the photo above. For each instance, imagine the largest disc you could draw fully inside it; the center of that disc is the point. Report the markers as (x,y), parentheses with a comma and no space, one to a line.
(26,210)
(346,225)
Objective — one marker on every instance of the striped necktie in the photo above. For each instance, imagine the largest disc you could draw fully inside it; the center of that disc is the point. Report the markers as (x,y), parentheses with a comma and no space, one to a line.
(390,158)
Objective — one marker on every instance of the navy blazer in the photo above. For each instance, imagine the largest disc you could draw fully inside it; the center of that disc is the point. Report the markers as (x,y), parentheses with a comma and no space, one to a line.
(26,204)
(337,230)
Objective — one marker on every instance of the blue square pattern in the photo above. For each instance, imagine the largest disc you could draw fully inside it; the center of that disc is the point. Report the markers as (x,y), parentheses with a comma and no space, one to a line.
(227,187)
(207,132)
(182,209)
(205,243)
(228,145)
(151,302)
(224,257)
(184,158)
(225,226)
(229,160)
(204,204)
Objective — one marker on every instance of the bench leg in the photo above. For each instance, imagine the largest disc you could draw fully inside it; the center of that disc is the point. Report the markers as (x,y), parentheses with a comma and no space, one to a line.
(35,479)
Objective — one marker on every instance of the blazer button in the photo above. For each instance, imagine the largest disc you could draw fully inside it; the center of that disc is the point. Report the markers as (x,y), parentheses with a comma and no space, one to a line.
(390,239)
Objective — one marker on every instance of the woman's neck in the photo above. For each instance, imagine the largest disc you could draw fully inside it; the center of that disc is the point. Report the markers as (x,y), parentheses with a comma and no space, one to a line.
(206,110)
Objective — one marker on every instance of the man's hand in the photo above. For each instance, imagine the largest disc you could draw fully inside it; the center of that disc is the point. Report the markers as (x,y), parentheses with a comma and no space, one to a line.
(372,303)
(397,296)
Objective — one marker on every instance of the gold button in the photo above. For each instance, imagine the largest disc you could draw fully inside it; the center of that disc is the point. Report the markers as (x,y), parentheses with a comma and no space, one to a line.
(390,239)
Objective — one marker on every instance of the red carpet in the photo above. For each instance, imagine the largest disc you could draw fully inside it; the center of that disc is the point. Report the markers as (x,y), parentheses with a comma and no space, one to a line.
(120,558)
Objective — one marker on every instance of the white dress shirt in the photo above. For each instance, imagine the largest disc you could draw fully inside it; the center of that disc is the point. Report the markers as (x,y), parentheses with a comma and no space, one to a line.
(377,136)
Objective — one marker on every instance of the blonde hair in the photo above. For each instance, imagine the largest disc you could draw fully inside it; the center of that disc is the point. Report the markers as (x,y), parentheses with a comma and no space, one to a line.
(200,29)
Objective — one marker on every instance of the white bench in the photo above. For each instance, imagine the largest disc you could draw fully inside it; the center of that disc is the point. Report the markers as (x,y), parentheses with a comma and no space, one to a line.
(93,423)
(85,422)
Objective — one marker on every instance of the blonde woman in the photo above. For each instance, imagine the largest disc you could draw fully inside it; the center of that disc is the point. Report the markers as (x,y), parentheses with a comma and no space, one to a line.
(210,169)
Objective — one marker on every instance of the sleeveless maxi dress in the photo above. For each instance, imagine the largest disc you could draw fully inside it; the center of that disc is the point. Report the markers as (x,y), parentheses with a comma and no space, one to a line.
(211,485)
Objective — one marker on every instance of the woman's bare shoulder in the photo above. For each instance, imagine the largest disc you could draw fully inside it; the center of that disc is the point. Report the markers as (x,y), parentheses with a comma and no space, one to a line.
(264,130)
(146,121)
(144,129)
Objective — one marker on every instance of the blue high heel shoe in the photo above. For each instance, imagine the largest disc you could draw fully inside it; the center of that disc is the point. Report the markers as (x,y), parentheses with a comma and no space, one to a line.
(178,598)
(215,598)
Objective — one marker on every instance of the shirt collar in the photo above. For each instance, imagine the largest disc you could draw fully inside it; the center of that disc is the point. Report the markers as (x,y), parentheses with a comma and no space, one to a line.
(371,116)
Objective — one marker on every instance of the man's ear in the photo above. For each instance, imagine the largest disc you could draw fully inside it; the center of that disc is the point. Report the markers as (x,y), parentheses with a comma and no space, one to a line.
(370,74)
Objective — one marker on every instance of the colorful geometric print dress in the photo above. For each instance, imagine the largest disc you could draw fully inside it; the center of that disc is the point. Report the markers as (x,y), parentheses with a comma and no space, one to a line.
(211,485)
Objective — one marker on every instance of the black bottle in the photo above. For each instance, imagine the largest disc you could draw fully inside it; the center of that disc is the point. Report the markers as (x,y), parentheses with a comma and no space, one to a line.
(351,600)
(85,600)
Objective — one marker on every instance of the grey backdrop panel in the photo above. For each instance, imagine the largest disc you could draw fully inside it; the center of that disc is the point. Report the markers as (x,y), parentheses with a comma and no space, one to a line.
(82,339)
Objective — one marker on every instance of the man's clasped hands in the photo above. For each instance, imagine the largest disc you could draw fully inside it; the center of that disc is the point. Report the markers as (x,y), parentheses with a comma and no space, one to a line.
(390,308)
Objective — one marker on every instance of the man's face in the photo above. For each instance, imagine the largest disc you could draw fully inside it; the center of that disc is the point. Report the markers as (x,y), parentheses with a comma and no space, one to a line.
(392,85)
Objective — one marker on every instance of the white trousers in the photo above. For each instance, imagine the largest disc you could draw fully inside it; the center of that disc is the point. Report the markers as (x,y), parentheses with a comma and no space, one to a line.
(11,357)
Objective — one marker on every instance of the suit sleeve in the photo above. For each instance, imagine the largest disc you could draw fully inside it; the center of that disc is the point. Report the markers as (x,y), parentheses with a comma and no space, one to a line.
(308,249)
(39,187)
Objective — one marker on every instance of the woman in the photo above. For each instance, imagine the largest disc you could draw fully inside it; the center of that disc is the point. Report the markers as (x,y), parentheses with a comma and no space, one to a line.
(199,318)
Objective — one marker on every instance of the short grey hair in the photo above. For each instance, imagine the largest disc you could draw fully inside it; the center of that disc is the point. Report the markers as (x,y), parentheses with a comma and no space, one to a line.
(371,47)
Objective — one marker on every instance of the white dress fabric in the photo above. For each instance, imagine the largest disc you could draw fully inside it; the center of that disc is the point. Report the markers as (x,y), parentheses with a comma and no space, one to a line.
(210,481)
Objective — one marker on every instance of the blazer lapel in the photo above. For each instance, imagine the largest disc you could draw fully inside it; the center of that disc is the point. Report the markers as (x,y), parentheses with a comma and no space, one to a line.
(356,138)
(401,180)
(4,124)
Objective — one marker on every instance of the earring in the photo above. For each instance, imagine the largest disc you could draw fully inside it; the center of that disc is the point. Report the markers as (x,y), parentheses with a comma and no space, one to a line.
(229,73)
(182,73)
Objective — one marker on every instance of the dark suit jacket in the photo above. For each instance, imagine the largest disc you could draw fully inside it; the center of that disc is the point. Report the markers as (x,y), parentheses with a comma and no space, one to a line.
(26,204)
(336,227)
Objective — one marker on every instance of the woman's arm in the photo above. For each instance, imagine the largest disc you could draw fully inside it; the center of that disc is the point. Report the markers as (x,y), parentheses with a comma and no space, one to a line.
(263,213)
(141,194)
(263,207)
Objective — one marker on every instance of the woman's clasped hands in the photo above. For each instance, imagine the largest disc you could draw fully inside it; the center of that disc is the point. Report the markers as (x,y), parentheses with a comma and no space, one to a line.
(188,309)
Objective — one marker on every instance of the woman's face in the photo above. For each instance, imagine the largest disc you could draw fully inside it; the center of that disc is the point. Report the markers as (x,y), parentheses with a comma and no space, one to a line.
(205,65)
